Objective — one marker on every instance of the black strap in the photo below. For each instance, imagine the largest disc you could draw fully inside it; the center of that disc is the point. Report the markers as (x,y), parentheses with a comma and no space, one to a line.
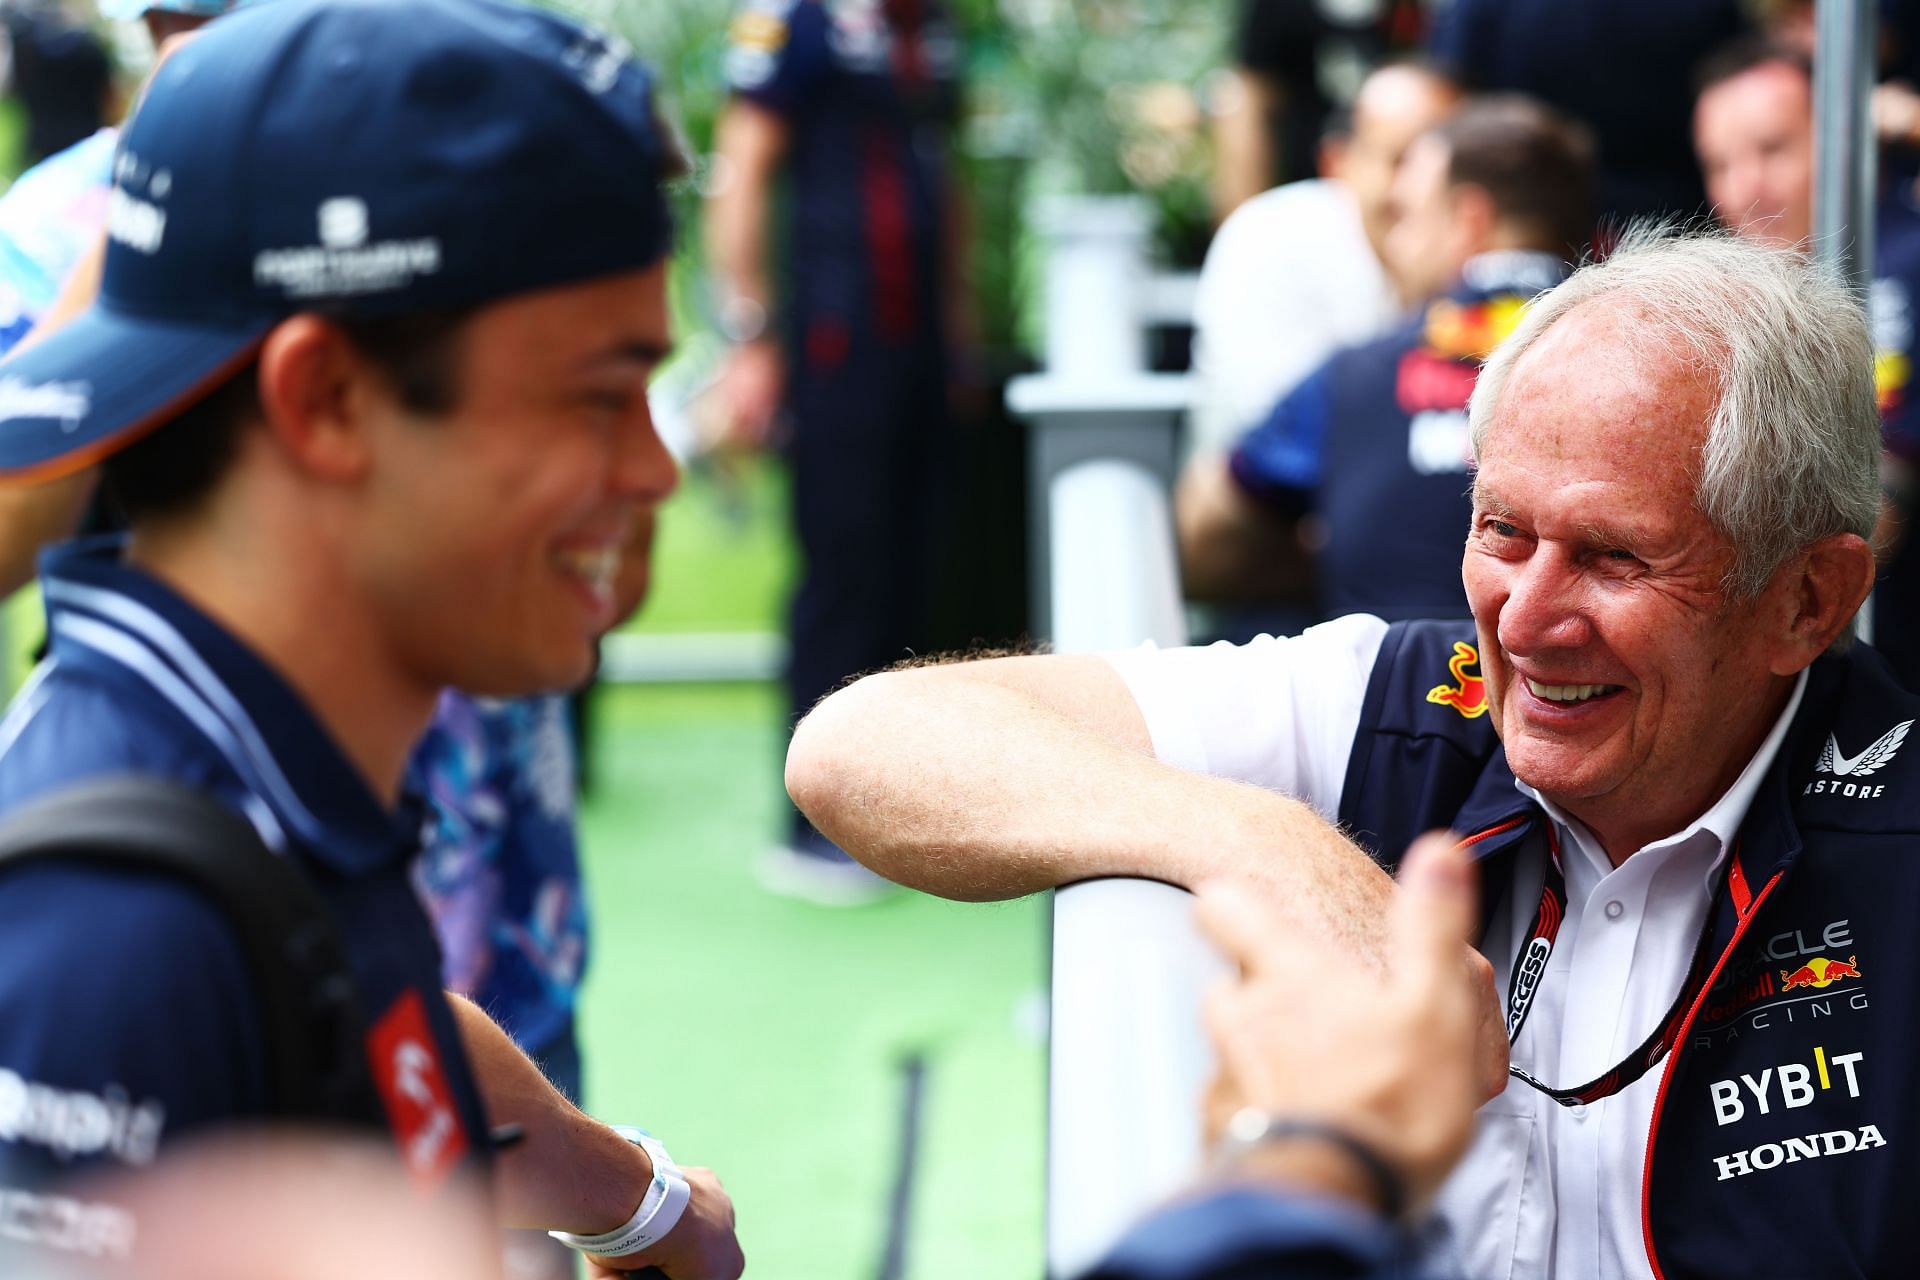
(1531,965)
(309,1009)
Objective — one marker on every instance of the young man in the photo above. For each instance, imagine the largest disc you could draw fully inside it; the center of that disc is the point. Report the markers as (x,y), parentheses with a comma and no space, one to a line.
(368,375)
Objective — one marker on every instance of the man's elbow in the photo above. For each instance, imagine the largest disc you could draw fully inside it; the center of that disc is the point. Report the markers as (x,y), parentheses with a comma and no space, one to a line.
(824,760)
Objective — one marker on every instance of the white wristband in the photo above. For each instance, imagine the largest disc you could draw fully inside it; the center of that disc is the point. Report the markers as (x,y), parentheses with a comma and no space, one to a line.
(659,1210)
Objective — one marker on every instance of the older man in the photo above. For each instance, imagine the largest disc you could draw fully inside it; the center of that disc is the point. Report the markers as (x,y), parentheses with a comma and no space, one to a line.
(1687,793)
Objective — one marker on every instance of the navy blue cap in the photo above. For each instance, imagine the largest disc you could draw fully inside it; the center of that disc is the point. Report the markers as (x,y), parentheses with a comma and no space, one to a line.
(343,156)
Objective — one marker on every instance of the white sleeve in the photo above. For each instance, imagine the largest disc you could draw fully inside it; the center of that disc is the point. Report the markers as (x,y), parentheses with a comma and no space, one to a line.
(1278,294)
(1281,713)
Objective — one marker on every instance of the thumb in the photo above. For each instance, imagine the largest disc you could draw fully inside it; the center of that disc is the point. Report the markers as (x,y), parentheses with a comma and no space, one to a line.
(1434,912)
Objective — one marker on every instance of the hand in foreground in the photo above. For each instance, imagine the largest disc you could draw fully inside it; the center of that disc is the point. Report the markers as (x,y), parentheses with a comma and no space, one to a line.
(701,1246)
(1391,1059)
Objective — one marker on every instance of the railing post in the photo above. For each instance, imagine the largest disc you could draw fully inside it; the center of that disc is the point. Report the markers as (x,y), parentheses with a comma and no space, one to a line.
(1844,156)
(1127,1059)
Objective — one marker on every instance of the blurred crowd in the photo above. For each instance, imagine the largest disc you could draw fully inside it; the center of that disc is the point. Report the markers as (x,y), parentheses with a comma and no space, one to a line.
(1343,312)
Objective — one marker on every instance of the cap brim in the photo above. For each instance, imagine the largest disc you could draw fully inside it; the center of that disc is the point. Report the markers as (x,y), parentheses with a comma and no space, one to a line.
(104,380)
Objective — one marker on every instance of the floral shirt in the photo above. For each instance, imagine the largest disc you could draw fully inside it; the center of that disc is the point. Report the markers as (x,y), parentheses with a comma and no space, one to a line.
(500,870)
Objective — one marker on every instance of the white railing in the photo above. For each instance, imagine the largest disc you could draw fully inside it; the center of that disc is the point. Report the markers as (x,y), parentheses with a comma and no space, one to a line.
(1127,1060)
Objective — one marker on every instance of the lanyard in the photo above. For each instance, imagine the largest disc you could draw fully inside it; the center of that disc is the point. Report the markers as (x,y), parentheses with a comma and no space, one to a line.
(1531,963)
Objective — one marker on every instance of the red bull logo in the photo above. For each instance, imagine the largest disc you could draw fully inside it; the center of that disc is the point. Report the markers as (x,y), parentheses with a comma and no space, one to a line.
(1468,331)
(1820,973)
(1468,693)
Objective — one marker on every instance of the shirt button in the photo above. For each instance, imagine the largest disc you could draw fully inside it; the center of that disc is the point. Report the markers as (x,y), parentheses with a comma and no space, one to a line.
(1578,1111)
(1616,909)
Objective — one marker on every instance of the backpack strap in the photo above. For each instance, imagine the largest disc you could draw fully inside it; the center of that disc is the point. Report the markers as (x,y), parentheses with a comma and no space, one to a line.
(309,1007)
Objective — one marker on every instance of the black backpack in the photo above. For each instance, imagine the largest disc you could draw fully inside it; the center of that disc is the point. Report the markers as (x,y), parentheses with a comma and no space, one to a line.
(309,1009)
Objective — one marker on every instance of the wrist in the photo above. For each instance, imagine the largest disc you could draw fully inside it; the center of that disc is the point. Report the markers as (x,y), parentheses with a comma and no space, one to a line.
(612,1182)
(1310,1155)
(663,1200)
(742,319)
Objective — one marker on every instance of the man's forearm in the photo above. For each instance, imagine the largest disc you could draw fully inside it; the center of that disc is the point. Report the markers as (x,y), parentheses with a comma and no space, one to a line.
(1231,548)
(750,143)
(990,780)
(568,1172)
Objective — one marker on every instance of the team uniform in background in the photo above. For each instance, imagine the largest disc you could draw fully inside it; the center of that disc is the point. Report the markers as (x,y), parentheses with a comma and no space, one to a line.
(868,91)
(61,75)
(1895,313)
(1624,68)
(1790,1080)
(127,1016)
(1373,445)
(500,868)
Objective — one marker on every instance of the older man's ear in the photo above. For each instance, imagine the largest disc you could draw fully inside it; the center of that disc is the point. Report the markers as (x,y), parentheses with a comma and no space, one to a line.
(1831,581)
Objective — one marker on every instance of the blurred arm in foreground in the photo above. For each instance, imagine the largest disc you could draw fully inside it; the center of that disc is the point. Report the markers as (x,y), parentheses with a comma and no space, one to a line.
(1350,1096)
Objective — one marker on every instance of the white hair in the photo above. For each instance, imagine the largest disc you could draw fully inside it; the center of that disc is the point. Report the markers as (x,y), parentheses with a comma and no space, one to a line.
(1793,443)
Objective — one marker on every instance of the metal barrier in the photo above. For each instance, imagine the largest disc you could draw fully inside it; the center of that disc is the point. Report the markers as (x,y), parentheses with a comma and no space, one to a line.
(1844,157)
(1127,1060)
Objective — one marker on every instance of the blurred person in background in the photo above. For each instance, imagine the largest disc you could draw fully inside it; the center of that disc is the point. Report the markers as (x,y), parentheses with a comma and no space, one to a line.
(349,452)
(1355,486)
(1621,67)
(1297,272)
(61,75)
(841,312)
(1753,129)
(51,222)
(1296,64)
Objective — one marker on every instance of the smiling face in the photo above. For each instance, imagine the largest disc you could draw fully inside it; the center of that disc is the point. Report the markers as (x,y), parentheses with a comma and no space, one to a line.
(490,538)
(1625,685)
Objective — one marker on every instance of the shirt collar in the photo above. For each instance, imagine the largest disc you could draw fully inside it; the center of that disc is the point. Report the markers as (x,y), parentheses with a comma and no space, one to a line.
(1721,822)
(103,611)
(1520,271)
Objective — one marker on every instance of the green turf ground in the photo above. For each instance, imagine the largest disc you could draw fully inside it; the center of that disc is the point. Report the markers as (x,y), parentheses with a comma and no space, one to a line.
(764,1036)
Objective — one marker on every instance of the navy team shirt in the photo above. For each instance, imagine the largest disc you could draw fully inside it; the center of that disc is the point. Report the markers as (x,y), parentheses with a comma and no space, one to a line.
(126,1016)
(1374,446)
(869,91)
(1623,67)
(1895,293)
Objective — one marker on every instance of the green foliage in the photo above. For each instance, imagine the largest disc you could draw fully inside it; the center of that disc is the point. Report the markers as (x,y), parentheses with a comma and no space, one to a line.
(1093,96)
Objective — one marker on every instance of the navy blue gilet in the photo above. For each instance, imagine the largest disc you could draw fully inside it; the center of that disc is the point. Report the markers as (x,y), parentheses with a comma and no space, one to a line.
(1786,1135)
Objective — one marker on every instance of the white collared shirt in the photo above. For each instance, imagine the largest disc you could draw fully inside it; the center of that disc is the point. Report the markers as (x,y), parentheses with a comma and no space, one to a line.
(1545,1190)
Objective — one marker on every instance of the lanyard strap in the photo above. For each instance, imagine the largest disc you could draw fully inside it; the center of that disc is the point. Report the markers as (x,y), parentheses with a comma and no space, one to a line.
(1531,964)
